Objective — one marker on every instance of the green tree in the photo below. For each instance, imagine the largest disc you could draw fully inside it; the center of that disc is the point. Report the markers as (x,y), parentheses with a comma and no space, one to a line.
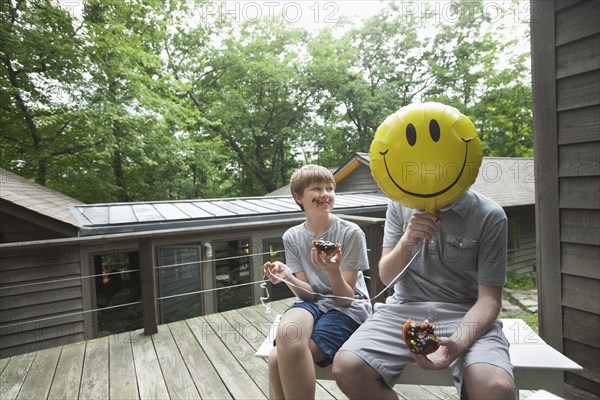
(39,80)
(257,101)
(373,70)
(476,70)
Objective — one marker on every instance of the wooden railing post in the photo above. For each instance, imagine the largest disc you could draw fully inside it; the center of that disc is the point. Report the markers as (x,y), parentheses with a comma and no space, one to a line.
(148,282)
(375,240)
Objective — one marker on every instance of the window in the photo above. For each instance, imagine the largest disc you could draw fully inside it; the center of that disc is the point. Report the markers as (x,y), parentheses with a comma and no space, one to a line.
(117,282)
(180,281)
(274,251)
(514,226)
(233,268)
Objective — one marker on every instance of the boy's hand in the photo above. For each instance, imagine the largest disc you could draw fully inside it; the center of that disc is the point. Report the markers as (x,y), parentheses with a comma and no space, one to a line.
(325,262)
(277,271)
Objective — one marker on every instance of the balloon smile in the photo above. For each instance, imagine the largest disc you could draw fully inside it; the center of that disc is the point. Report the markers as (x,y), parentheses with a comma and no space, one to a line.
(428,195)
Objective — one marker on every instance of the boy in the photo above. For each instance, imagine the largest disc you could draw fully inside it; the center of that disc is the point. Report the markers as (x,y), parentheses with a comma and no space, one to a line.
(326,314)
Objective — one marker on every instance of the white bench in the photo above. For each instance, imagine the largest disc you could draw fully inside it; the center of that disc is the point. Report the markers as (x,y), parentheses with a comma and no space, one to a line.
(536,364)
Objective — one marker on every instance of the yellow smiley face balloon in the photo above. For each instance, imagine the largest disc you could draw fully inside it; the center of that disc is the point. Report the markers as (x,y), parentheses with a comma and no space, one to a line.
(426,155)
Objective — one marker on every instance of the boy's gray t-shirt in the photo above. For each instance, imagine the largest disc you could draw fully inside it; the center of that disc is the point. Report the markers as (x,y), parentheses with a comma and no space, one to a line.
(298,243)
(470,249)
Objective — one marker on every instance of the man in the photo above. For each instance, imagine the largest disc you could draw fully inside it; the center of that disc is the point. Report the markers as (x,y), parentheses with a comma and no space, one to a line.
(455,277)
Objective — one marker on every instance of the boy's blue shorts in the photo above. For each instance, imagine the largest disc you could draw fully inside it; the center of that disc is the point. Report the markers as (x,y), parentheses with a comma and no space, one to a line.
(330,330)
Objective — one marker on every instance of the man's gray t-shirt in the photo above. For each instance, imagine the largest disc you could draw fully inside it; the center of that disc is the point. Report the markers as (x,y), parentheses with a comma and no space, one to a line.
(470,249)
(298,243)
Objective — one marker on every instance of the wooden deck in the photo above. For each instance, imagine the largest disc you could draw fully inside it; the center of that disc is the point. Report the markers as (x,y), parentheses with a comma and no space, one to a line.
(209,357)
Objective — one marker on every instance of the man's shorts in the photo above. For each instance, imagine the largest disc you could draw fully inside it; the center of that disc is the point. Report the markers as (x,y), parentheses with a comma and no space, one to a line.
(330,330)
(379,342)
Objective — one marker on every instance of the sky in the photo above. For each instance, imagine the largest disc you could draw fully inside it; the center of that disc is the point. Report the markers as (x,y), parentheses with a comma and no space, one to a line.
(317,14)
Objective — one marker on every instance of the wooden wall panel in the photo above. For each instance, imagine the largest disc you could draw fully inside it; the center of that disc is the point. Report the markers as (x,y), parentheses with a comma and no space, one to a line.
(562,4)
(359,180)
(586,356)
(578,57)
(578,22)
(578,91)
(579,159)
(581,293)
(580,326)
(580,192)
(27,312)
(566,82)
(581,260)
(579,125)
(13,229)
(580,226)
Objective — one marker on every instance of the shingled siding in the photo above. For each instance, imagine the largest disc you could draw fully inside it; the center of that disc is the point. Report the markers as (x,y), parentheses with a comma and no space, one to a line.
(566,80)
(361,181)
(522,247)
(19,267)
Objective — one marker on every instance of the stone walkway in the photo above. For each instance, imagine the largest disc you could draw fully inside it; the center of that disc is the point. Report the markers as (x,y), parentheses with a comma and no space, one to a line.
(514,301)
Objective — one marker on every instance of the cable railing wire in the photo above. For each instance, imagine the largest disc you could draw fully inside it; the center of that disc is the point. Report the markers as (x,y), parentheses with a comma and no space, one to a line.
(129,271)
(259,282)
(34,321)
(131,304)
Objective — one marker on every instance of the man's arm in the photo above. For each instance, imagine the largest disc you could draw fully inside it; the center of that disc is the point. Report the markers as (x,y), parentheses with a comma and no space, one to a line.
(476,322)
(421,226)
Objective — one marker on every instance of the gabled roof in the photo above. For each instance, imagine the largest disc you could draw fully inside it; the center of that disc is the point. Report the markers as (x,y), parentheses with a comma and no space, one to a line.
(510,181)
(36,198)
(347,168)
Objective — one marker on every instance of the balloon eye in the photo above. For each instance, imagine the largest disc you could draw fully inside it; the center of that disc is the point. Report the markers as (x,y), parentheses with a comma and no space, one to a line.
(434,130)
(411,134)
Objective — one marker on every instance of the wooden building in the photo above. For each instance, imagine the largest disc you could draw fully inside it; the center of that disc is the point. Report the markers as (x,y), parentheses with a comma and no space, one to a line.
(72,271)
(566,110)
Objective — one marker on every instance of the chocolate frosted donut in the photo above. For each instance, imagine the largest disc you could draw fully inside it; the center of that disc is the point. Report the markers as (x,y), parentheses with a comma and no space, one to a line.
(328,247)
(420,339)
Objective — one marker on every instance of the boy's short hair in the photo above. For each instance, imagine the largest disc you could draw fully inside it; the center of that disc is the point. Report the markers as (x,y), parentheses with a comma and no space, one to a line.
(308,175)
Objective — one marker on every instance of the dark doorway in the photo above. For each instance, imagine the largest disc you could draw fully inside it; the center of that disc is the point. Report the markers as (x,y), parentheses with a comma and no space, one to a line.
(118,283)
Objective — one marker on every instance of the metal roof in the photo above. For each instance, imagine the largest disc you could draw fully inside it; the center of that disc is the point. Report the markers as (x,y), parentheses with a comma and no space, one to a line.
(508,181)
(143,216)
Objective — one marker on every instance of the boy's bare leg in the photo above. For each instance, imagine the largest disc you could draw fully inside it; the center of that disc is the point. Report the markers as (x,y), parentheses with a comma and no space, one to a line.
(274,378)
(294,358)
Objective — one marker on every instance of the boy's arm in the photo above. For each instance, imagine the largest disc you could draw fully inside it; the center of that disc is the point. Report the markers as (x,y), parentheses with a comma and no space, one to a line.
(342,283)
(279,272)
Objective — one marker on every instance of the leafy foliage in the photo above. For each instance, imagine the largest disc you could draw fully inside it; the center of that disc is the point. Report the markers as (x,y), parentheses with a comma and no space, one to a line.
(155,99)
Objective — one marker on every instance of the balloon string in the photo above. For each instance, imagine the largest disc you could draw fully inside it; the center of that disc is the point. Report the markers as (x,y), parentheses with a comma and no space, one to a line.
(319,295)
(263,299)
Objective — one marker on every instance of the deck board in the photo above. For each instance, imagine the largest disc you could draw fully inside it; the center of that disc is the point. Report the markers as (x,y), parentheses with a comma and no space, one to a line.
(68,372)
(122,378)
(14,374)
(236,379)
(94,377)
(209,357)
(41,373)
(177,377)
(151,383)
(202,372)
(233,334)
